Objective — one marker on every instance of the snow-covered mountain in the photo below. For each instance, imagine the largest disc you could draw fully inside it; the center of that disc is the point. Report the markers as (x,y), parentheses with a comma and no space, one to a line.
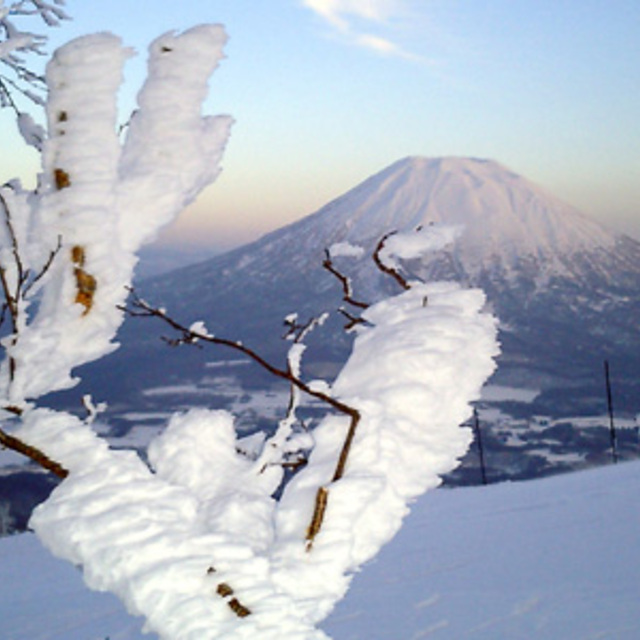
(506,218)
(508,222)
(555,558)
(563,286)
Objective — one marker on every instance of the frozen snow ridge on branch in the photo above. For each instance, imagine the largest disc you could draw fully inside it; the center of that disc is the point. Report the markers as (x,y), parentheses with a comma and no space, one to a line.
(16,76)
(105,199)
(195,540)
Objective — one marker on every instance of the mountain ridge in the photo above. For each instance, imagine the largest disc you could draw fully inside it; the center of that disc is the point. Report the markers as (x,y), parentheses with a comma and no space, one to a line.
(505,216)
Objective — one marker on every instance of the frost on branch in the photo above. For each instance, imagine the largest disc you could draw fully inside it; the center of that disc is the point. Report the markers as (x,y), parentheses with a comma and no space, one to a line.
(405,390)
(17,78)
(195,540)
(104,199)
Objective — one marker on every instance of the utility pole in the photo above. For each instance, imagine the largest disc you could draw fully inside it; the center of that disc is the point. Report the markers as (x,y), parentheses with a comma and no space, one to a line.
(478,435)
(612,427)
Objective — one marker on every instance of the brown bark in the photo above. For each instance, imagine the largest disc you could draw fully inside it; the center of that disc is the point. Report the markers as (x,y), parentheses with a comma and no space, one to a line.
(11,442)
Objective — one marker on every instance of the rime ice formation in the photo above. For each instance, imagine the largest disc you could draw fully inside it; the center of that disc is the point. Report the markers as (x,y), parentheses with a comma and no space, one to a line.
(194,541)
(170,542)
(104,199)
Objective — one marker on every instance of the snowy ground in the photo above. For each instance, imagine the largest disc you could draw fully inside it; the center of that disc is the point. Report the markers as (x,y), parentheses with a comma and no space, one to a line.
(548,559)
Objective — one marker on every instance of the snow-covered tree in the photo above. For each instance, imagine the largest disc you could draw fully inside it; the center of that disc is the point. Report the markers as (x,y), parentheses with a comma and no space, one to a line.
(18,80)
(194,540)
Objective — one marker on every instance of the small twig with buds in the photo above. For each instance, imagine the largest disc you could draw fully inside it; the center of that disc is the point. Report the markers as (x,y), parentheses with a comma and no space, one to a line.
(141,308)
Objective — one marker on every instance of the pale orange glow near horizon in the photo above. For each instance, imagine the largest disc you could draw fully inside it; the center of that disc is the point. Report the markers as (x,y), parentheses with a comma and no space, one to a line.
(549,90)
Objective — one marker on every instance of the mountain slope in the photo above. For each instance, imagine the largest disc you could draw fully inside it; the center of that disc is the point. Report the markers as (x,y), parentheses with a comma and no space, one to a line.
(511,229)
(503,214)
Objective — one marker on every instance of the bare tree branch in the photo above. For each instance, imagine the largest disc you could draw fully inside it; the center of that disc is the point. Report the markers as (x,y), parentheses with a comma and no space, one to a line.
(23,79)
(298,332)
(390,271)
(15,444)
(344,280)
(140,308)
(15,292)
(11,296)
(353,320)
(45,268)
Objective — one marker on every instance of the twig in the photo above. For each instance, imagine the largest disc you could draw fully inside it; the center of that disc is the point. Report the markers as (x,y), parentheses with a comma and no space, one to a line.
(12,297)
(143,309)
(344,280)
(13,294)
(11,442)
(47,265)
(298,332)
(390,271)
(353,320)
(190,337)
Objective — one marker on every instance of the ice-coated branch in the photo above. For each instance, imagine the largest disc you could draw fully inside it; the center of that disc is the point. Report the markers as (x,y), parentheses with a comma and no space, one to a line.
(15,46)
(11,292)
(16,280)
(411,245)
(100,199)
(171,151)
(279,448)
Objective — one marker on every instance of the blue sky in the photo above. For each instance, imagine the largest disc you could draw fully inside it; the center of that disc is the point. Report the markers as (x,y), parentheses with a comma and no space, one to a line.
(328,92)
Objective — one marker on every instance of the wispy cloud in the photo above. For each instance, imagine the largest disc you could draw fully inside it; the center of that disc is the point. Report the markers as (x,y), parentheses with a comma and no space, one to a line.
(347,16)
(337,11)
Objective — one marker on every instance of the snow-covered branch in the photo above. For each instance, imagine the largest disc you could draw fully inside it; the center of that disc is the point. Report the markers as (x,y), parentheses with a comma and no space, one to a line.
(291,373)
(344,280)
(407,246)
(72,243)
(390,269)
(193,538)
(34,454)
(105,200)
(17,77)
